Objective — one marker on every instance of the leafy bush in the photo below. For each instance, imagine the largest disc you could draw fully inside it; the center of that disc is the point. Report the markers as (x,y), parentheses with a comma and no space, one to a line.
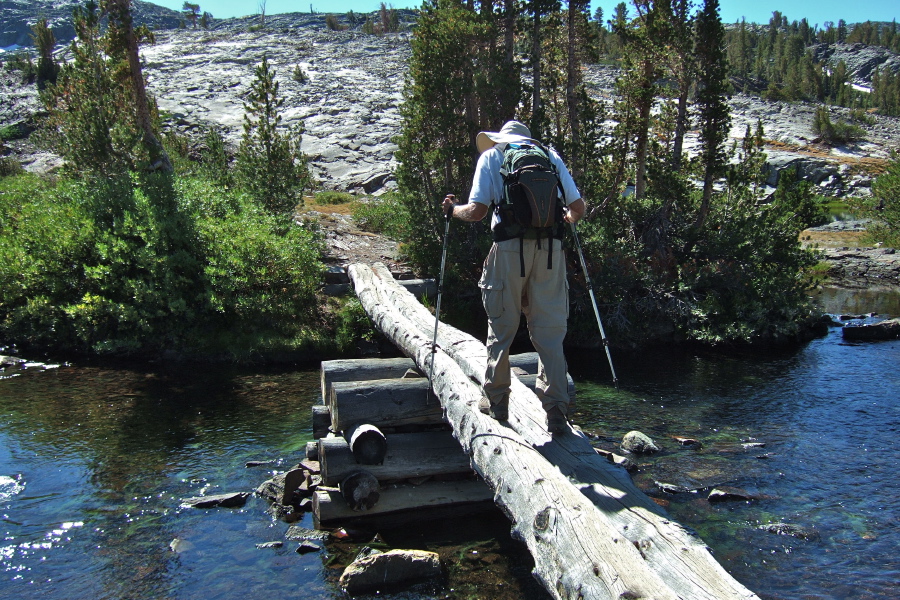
(333,197)
(884,206)
(140,264)
(387,215)
(838,132)
(353,324)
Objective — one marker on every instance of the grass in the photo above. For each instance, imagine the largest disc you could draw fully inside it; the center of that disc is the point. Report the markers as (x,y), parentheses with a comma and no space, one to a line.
(833,239)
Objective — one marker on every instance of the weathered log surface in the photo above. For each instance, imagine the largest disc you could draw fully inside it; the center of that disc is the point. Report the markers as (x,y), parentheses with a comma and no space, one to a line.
(590,530)
(386,402)
(361,369)
(409,455)
(329,507)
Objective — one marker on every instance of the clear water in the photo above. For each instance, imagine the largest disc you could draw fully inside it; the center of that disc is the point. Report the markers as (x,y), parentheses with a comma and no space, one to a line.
(94,462)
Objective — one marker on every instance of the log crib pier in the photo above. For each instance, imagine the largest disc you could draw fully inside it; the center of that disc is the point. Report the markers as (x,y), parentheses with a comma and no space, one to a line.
(384,447)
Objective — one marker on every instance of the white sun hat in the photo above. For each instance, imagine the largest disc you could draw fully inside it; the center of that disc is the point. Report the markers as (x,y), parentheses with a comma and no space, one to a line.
(512,131)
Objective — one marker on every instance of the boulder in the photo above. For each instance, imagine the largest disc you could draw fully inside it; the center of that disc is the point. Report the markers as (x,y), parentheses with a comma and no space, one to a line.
(390,569)
(884,330)
(638,443)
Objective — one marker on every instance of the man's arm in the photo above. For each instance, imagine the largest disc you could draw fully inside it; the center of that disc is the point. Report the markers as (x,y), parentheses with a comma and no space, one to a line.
(575,211)
(473,211)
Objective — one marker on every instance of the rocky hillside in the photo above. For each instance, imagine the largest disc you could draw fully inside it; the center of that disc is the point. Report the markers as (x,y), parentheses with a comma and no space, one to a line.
(17,17)
(346,88)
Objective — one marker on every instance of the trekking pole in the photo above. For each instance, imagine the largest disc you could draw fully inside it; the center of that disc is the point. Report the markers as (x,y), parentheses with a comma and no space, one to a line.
(437,310)
(590,285)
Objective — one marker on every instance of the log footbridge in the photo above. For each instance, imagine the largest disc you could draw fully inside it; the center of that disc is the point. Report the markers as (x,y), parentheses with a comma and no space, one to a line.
(593,534)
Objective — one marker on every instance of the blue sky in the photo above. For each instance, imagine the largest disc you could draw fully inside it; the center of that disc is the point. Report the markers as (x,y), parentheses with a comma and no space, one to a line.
(759,11)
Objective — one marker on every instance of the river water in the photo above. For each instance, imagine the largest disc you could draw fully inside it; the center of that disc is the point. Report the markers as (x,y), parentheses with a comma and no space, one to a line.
(95,459)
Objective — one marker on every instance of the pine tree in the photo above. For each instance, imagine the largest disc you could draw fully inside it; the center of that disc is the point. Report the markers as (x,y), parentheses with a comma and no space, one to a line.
(459,83)
(44,41)
(270,164)
(91,107)
(715,118)
(125,41)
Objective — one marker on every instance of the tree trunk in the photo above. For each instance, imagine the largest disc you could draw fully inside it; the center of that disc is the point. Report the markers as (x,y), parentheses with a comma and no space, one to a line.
(645,104)
(159,160)
(591,532)
(573,76)
(680,122)
(536,110)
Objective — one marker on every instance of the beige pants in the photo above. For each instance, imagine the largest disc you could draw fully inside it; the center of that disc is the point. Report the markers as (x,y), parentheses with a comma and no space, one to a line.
(543,296)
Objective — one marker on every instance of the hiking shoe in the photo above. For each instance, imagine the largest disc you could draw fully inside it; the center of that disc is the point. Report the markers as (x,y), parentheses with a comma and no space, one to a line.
(498,412)
(556,421)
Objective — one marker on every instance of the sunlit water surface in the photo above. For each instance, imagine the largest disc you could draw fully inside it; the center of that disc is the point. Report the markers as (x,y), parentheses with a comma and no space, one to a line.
(94,463)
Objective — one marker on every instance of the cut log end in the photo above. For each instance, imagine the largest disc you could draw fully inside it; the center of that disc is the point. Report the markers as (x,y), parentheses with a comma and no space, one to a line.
(360,490)
(368,445)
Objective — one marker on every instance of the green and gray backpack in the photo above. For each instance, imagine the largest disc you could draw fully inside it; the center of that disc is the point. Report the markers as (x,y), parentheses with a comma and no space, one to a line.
(531,206)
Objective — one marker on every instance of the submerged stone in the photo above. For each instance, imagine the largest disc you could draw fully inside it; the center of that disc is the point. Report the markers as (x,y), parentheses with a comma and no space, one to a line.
(390,570)
(638,443)
(231,500)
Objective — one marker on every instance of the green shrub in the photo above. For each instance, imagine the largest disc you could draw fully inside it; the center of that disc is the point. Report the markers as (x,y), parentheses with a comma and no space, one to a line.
(145,264)
(9,166)
(21,61)
(334,197)
(333,24)
(386,215)
(838,132)
(353,324)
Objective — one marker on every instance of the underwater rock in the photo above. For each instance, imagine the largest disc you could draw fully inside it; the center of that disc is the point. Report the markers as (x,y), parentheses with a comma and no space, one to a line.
(791,529)
(721,494)
(390,569)
(230,500)
(638,443)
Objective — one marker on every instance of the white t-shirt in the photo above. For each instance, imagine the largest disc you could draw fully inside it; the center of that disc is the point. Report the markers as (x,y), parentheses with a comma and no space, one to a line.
(487,185)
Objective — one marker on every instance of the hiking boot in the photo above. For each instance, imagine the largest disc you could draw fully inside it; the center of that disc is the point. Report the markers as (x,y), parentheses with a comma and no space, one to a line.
(556,421)
(498,411)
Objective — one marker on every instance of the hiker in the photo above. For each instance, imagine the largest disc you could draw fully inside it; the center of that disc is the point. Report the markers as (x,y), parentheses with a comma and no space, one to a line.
(525,271)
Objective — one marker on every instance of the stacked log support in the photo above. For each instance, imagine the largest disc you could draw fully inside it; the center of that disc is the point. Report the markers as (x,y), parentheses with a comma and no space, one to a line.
(591,532)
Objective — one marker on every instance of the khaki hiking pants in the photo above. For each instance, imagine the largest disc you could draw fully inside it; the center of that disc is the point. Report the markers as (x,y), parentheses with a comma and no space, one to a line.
(543,296)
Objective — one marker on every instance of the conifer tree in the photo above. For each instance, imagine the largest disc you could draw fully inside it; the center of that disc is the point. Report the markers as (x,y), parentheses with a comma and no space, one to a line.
(459,83)
(91,108)
(44,41)
(715,118)
(270,164)
(125,41)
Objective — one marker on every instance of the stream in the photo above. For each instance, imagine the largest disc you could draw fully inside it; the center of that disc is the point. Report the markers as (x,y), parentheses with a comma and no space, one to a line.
(96,458)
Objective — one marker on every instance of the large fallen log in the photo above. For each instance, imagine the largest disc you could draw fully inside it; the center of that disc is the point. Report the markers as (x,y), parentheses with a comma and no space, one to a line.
(591,532)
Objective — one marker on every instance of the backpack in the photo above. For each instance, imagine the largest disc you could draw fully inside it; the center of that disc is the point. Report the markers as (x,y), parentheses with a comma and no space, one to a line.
(530,206)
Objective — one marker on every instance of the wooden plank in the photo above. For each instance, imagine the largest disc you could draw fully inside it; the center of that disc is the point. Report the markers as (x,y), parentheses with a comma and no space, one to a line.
(387,402)
(591,532)
(408,455)
(401,500)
